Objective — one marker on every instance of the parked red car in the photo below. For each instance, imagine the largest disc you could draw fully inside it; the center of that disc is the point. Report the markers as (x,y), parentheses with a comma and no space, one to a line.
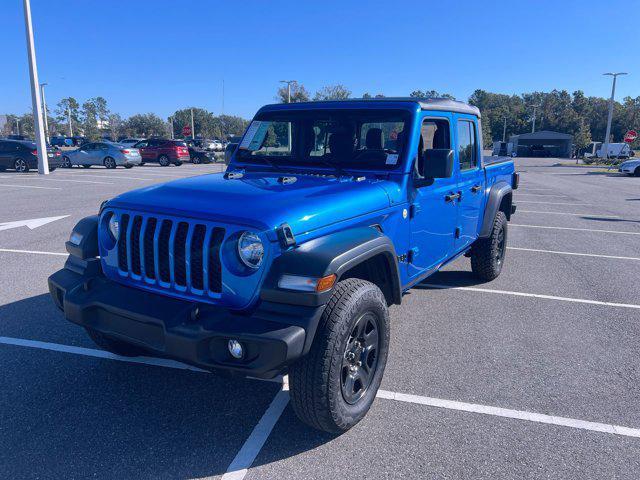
(163,151)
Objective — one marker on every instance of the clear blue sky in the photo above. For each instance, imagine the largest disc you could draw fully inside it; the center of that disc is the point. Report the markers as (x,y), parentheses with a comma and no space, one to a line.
(156,56)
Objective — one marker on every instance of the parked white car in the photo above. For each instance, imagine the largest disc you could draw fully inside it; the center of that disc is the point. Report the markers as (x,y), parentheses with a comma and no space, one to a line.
(630,167)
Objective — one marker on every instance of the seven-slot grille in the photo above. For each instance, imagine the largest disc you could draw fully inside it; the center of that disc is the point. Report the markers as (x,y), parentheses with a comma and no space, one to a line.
(171,253)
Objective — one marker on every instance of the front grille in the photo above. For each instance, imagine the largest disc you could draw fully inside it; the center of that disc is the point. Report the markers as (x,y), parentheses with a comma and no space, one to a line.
(171,253)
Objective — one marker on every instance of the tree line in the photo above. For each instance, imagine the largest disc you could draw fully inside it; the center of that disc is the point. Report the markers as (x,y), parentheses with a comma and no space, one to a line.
(93,119)
(574,113)
(584,117)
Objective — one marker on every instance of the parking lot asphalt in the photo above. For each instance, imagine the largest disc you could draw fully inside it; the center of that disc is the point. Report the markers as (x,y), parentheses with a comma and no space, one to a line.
(533,375)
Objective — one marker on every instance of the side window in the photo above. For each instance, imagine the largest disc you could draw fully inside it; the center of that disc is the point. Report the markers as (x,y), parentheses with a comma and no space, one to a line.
(467,145)
(434,134)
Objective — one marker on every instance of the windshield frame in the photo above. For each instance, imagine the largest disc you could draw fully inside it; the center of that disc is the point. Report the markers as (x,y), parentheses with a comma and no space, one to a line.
(292,162)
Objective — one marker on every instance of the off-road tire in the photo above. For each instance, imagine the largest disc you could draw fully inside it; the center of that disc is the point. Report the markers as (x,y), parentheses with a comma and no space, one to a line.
(487,254)
(315,381)
(163,160)
(112,345)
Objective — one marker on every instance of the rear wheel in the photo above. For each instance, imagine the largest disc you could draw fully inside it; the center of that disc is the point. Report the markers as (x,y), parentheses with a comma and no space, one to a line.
(21,165)
(487,254)
(334,385)
(112,345)
(66,162)
(109,163)
(163,160)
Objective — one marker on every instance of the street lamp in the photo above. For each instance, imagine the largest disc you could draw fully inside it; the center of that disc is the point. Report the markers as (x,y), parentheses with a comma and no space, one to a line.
(533,126)
(44,110)
(610,116)
(41,144)
(289,83)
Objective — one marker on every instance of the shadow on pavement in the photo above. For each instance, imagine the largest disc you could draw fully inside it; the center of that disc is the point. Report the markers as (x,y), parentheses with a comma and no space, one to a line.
(451,278)
(72,416)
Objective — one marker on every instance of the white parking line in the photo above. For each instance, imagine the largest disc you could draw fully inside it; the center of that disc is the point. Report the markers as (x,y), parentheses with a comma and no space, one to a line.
(279,402)
(572,253)
(125,177)
(11,250)
(31,186)
(538,195)
(509,413)
(243,460)
(533,295)
(572,228)
(59,180)
(572,214)
(552,203)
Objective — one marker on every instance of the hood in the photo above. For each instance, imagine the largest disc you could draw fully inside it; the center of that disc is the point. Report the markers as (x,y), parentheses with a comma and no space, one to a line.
(262,200)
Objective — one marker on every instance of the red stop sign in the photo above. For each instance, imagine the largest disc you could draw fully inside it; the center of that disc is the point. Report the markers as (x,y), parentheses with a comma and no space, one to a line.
(630,136)
(186,130)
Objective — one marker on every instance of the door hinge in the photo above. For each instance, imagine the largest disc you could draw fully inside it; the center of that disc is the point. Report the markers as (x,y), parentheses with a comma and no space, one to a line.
(414,209)
(458,231)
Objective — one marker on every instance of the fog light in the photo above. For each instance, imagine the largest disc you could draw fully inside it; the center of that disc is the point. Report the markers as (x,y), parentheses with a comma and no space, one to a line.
(235,349)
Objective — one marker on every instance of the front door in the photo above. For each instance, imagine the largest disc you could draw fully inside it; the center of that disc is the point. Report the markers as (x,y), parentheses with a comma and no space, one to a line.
(471,180)
(433,212)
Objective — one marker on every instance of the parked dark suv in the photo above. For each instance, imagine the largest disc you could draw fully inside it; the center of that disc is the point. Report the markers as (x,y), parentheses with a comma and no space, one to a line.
(22,156)
(163,151)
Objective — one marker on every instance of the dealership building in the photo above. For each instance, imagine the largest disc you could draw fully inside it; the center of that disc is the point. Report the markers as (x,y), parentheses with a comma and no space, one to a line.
(542,144)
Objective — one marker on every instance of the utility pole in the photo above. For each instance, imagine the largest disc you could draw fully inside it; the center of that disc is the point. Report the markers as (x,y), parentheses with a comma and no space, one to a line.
(222,113)
(17,126)
(69,119)
(533,126)
(193,130)
(44,109)
(171,122)
(610,116)
(41,145)
(289,82)
(504,130)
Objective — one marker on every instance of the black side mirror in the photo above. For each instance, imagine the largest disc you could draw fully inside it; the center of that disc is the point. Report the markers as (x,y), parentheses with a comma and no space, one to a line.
(437,163)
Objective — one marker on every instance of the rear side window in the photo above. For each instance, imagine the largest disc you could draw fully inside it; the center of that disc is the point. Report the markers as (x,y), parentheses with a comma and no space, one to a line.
(467,143)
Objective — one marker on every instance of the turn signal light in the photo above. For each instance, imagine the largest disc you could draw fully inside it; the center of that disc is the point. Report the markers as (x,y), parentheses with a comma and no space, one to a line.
(325,283)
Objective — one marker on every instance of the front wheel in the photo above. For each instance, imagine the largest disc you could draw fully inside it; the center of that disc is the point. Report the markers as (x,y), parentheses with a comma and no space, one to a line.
(66,162)
(195,160)
(334,385)
(487,254)
(21,165)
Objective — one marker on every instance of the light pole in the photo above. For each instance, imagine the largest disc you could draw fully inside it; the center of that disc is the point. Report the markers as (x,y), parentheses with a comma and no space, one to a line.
(289,82)
(171,122)
(610,116)
(69,119)
(504,130)
(41,144)
(17,126)
(44,109)
(193,130)
(533,126)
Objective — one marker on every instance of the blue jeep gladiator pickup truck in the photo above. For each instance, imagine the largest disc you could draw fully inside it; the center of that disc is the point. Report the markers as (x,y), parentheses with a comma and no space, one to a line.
(289,261)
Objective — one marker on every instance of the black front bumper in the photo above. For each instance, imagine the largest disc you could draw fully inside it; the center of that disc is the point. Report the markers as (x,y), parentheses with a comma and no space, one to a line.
(273,335)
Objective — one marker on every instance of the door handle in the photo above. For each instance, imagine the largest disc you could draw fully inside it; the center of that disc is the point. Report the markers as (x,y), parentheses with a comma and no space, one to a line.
(451,197)
(476,188)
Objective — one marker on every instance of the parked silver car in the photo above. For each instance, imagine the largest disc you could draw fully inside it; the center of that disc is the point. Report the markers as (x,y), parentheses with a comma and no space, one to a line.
(102,153)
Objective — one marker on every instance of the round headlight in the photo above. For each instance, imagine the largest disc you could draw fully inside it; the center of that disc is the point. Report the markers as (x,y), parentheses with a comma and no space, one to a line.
(114,227)
(250,249)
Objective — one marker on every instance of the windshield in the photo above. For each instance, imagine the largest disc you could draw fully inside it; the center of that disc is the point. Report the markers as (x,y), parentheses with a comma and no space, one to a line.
(358,139)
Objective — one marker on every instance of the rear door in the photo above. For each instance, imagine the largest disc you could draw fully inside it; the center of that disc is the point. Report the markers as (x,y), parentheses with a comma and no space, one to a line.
(471,180)
(433,213)
(143,147)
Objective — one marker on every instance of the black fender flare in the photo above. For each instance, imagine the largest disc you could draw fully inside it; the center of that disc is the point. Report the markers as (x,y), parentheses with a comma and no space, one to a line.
(83,241)
(335,253)
(497,192)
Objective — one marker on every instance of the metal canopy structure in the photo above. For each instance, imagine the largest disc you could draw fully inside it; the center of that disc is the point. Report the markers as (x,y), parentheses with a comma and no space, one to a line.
(542,144)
